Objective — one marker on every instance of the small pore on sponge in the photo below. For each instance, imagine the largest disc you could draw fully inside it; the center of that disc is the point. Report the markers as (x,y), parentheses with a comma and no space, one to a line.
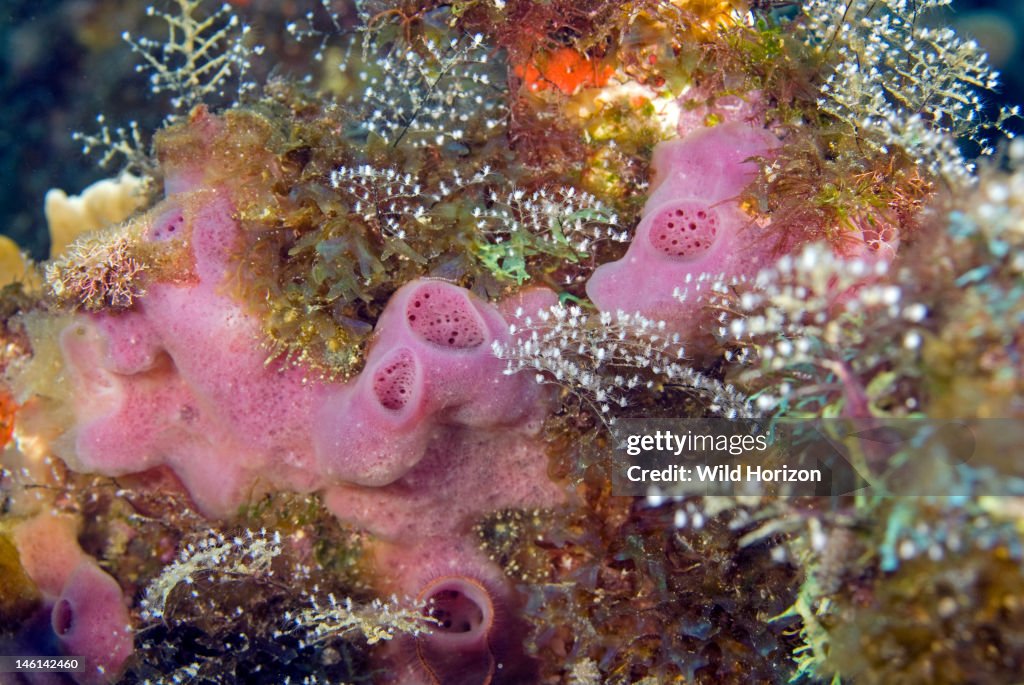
(683,229)
(443,316)
(394,382)
(168,226)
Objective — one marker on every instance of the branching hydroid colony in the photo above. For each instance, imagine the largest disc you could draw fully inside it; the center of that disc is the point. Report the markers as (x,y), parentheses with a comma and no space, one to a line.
(451,93)
(201,54)
(903,84)
(605,358)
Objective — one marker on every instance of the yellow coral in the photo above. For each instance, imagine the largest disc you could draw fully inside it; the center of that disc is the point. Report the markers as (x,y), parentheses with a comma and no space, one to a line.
(12,265)
(102,204)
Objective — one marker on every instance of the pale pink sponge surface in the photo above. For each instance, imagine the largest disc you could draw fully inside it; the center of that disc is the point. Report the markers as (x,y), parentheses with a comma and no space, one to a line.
(49,551)
(691,225)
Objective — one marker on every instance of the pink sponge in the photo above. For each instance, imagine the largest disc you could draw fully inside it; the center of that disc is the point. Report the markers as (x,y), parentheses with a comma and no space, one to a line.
(431,365)
(180,380)
(430,436)
(90,620)
(711,164)
(48,549)
(476,639)
(422,544)
(691,226)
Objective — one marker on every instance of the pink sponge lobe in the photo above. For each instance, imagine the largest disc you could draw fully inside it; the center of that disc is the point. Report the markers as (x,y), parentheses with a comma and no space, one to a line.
(693,228)
(445,317)
(459,649)
(431,365)
(48,547)
(397,380)
(181,379)
(90,620)
(712,164)
(683,229)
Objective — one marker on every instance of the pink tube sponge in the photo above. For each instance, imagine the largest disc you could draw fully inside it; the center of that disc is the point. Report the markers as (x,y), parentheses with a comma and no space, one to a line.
(180,380)
(458,648)
(422,542)
(691,225)
(476,638)
(90,620)
(431,365)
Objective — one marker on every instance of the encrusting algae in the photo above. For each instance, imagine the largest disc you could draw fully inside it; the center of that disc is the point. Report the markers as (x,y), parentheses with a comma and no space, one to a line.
(327,388)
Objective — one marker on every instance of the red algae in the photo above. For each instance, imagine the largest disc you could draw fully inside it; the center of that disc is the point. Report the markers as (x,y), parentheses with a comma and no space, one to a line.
(564,69)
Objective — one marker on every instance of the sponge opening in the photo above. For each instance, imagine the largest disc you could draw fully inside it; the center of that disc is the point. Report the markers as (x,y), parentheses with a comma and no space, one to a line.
(443,316)
(461,610)
(683,230)
(62,617)
(394,382)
